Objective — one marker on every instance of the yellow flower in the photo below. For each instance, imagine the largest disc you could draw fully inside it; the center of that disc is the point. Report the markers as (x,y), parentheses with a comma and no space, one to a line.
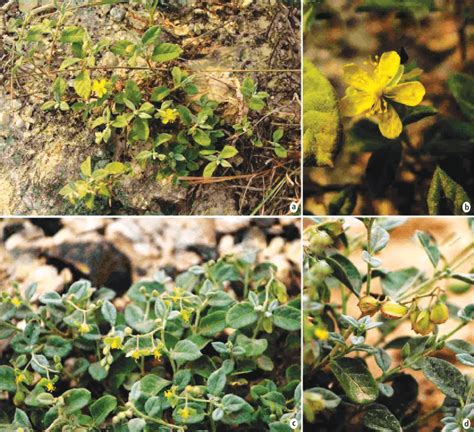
(185,315)
(99,87)
(50,386)
(114,342)
(84,328)
(321,333)
(157,353)
(20,378)
(168,115)
(171,393)
(16,301)
(371,92)
(135,354)
(184,413)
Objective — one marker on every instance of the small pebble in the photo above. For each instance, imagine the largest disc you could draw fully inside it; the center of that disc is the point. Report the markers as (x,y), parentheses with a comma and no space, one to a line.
(117,13)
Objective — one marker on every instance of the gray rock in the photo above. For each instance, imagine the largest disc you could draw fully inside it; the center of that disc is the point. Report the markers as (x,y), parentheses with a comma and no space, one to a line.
(117,13)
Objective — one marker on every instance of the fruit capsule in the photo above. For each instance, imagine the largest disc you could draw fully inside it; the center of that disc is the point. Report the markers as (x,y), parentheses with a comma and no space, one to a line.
(439,313)
(423,325)
(368,305)
(393,310)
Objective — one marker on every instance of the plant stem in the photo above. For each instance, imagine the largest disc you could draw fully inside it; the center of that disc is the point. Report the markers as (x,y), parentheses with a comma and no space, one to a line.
(422,419)
(369,250)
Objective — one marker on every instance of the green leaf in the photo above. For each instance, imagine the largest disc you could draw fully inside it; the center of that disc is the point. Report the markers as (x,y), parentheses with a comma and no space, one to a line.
(429,246)
(322,125)
(185,350)
(345,272)
(216,382)
(120,121)
(159,93)
(69,61)
(379,238)
(355,379)
(343,204)
(256,103)
(166,52)
(460,346)
(151,35)
(102,407)
(461,86)
(444,376)
(21,419)
(232,403)
(136,425)
(445,195)
(287,317)
(115,168)
(72,34)
(97,371)
(7,379)
(383,359)
(209,169)
(140,130)
(277,135)
(241,315)
(418,113)
(51,298)
(151,385)
(213,323)
(466,359)
(153,406)
(109,312)
(56,345)
(202,138)
(252,347)
(75,399)
(228,152)
(82,84)
(379,418)
(86,167)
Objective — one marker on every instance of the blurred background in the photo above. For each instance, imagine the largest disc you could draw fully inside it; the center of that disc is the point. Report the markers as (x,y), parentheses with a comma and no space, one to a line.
(53,252)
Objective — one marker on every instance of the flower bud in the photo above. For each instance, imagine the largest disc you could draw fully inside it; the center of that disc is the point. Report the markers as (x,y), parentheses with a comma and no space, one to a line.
(393,310)
(439,313)
(423,325)
(128,331)
(368,305)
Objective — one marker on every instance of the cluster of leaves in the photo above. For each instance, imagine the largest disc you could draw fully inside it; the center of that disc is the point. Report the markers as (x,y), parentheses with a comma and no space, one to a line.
(339,388)
(440,158)
(182,355)
(166,128)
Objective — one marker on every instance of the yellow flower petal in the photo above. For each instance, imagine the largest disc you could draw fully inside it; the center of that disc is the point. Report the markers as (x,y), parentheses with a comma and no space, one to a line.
(387,68)
(358,103)
(357,77)
(410,93)
(390,124)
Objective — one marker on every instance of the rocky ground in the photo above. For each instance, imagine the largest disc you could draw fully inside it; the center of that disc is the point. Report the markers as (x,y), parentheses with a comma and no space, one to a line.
(117,252)
(41,152)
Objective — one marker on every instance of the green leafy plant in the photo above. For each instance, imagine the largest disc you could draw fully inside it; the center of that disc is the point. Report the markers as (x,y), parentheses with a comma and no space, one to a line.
(138,96)
(216,348)
(339,386)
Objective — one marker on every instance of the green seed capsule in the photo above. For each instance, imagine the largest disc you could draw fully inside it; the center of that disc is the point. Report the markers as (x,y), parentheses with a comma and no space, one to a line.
(423,325)
(368,305)
(439,313)
(393,310)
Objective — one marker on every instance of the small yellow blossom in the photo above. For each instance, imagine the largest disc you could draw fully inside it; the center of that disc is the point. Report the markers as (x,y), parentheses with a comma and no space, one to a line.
(84,328)
(20,378)
(157,353)
(168,115)
(114,342)
(184,412)
(99,87)
(372,90)
(185,315)
(321,333)
(16,301)
(171,393)
(136,354)
(50,386)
